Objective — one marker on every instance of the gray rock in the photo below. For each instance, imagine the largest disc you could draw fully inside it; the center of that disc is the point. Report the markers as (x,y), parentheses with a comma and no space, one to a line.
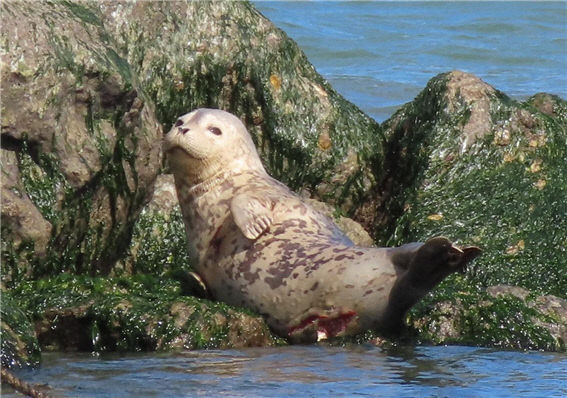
(22,222)
(81,135)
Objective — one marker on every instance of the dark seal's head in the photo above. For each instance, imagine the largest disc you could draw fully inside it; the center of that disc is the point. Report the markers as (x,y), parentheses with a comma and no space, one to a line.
(205,142)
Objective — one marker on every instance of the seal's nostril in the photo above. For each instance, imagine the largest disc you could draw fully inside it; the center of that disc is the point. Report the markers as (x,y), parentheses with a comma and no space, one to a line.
(183,131)
(178,123)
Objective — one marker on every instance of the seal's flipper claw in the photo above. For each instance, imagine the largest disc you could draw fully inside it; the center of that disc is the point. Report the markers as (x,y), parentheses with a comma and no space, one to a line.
(191,284)
(469,254)
(251,215)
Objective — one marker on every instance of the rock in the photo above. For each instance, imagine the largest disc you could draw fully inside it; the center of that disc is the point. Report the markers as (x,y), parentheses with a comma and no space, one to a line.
(507,317)
(501,290)
(19,345)
(23,226)
(164,198)
(224,329)
(466,161)
(227,55)
(143,313)
(80,135)
(553,309)
(159,242)
(351,228)
(87,87)
(82,113)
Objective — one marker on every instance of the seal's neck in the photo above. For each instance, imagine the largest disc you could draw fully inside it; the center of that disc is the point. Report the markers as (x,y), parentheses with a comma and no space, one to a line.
(195,176)
(192,190)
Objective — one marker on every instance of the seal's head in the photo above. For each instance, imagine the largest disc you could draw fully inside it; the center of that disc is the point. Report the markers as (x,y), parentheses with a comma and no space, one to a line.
(205,142)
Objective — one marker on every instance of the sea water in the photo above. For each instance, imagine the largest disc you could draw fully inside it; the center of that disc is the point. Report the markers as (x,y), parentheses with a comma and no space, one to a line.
(306,371)
(379,56)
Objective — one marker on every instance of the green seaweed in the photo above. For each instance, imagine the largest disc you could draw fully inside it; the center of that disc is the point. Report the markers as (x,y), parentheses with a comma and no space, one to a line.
(19,344)
(160,244)
(129,313)
(506,198)
(478,319)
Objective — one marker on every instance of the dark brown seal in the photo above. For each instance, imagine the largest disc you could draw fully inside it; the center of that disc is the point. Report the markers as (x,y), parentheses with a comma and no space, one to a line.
(256,244)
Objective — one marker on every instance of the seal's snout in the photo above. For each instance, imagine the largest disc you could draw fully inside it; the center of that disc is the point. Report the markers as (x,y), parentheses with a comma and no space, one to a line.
(179,126)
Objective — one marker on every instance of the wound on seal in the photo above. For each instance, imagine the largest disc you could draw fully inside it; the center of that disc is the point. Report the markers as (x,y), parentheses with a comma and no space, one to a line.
(326,326)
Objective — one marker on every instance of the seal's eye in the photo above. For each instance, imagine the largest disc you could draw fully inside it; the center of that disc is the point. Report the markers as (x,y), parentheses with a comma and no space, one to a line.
(178,123)
(215,130)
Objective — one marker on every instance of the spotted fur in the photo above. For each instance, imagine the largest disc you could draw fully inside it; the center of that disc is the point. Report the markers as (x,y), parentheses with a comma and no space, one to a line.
(256,244)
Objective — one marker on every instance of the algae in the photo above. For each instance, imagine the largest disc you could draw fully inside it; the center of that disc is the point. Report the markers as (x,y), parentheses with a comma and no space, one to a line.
(458,314)
(505,196)
(19,344)
(133,313)
(159,244)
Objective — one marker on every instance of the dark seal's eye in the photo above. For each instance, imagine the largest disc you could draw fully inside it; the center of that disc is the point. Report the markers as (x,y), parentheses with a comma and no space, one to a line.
(178,123)
(215,130)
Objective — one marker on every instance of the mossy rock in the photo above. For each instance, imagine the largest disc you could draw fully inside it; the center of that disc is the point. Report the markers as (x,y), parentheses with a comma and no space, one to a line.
(483,169)
(460,315)
(87,90)
(139,313)
(227,55)
(462,160)
(20,347)
(81,138)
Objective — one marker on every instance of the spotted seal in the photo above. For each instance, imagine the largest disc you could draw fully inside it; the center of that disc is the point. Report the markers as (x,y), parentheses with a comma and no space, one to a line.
(256,244)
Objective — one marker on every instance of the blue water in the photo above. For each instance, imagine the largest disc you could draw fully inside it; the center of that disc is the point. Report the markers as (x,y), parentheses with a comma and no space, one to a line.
(307,371)
(379,55)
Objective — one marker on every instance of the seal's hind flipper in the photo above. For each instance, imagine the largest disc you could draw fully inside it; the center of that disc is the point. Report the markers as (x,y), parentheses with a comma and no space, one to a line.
(439,257)
(252,215)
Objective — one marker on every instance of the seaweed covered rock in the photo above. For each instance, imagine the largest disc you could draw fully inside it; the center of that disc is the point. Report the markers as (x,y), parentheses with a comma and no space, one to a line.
(466,161)
(80,143)
(226,55)
(87,87)
(506,317)
(19,346)
(475,165)
(141,313)
(85,92)
(159,243)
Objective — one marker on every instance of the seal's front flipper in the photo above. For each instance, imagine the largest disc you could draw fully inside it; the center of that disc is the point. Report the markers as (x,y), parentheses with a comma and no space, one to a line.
(252,215)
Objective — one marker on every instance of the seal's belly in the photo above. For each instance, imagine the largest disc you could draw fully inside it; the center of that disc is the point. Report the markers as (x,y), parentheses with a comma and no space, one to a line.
(289,276)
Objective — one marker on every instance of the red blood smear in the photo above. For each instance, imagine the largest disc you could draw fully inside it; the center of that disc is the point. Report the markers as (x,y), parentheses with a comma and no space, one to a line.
(329,325)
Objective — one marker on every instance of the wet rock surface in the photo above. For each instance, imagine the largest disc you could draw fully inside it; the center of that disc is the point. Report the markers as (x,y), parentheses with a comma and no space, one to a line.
(497,180)
(82,136)
(502,316)
(140,313)
(19,346)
